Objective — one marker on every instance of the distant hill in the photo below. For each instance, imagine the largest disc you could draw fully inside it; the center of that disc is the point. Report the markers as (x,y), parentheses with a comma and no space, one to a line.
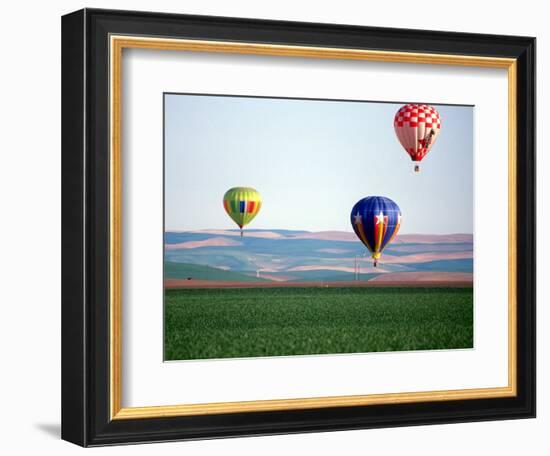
(326,275)
(198,272)
(433,277)
(346,236)
(461,265)
(290,256)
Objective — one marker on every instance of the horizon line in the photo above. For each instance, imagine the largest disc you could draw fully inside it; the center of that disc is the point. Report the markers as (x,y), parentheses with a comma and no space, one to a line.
(176,230)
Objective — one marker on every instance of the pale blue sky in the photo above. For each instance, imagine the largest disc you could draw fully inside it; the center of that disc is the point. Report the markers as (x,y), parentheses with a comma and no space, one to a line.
(311,161)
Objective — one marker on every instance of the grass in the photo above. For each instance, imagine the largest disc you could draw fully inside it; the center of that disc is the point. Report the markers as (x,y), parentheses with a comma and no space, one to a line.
(228,323)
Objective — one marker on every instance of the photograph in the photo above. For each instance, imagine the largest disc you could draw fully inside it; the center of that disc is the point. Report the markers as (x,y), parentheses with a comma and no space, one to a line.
(316,226)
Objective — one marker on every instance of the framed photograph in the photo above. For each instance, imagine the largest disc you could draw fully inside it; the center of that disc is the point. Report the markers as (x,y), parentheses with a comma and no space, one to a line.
(277,227)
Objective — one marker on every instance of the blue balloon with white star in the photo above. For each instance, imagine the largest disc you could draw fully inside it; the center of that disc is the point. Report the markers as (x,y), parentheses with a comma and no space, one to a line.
(376,221)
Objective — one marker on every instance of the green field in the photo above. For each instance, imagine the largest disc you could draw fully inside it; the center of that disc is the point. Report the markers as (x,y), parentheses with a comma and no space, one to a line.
(227,323)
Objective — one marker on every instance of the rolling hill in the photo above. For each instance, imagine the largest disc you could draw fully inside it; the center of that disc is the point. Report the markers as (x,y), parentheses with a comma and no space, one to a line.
(198,272)
(294,256)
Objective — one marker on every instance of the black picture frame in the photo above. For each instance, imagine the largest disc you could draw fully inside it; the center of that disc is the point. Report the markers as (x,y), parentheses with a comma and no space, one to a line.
(85,223)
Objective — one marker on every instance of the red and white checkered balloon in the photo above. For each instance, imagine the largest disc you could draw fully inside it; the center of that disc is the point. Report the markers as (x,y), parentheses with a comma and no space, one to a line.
(417,127)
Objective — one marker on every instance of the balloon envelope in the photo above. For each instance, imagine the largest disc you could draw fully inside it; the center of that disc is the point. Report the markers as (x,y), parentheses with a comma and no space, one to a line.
(376,221)
(417,127)
(242,204)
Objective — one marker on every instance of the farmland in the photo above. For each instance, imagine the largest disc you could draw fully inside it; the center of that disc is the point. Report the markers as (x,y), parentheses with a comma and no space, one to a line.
(279,321)
(301,256)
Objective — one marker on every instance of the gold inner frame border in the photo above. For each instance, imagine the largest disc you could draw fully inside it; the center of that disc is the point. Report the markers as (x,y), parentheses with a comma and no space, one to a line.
(117,44)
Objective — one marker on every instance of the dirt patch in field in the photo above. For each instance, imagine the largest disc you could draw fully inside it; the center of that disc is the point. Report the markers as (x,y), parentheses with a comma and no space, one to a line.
(183,283)
(425,276)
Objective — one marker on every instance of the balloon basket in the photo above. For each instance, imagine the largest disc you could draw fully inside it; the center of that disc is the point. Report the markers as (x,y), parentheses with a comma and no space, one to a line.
(416,168)
(375,263)
(241,233)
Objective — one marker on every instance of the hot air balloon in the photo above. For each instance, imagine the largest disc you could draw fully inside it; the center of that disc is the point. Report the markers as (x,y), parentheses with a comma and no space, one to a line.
(417,126)
(242,204)
(376,221)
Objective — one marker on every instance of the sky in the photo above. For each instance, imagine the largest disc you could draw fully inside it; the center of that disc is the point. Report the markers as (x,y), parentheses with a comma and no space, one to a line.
(311,161)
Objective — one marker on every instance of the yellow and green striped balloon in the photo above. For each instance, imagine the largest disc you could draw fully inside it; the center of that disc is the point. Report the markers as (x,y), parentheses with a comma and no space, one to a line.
(242,204)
